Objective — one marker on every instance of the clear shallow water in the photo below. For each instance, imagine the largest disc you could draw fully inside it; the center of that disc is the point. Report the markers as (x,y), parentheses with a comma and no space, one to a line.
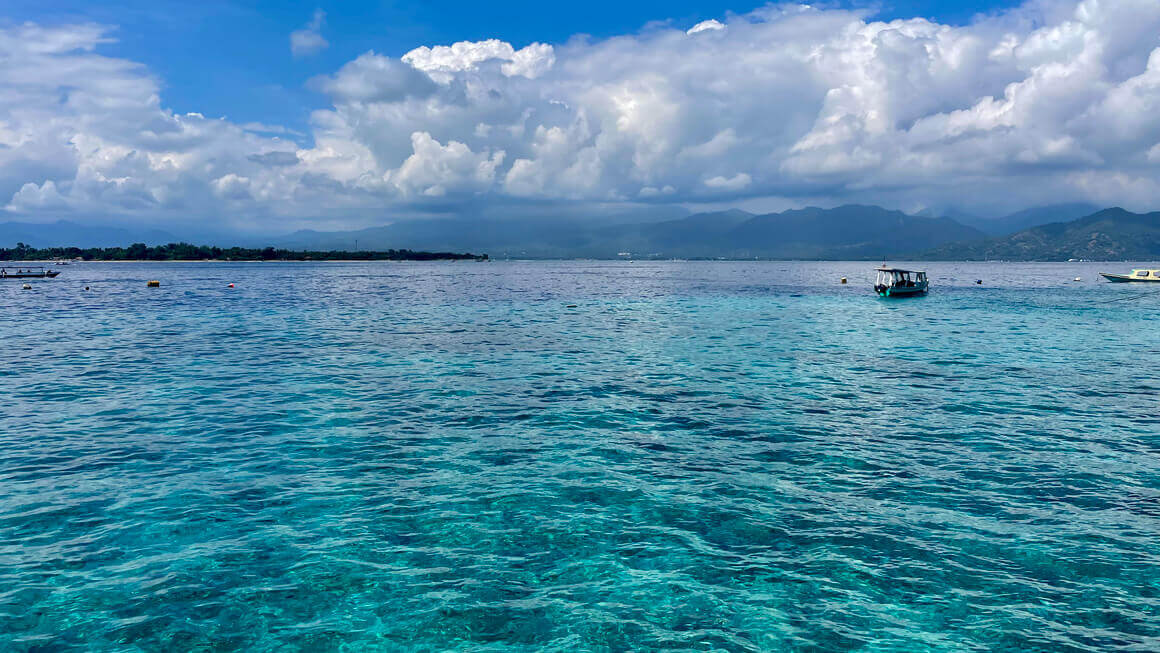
(731,456)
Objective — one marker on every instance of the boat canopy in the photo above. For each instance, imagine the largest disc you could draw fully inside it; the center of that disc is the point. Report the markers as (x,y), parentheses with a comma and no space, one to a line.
(897,277)
(888,269)
(21,268)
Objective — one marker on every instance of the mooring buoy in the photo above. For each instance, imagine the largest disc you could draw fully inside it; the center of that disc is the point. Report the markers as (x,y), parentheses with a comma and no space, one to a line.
(153,284)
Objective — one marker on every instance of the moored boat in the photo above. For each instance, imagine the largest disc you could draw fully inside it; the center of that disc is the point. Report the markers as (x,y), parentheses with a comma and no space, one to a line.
(896,282)
(26,272)
(1136,275)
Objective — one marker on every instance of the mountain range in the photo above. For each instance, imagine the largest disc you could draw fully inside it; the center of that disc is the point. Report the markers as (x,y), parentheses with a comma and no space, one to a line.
(1018,221)
(1108,235)
(845,232)
(851,231)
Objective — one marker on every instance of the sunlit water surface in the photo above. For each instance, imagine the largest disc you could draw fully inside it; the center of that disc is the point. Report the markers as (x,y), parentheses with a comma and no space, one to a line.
(729,456)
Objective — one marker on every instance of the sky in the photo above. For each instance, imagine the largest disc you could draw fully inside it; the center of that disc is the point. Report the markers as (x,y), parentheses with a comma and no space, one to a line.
(273,116)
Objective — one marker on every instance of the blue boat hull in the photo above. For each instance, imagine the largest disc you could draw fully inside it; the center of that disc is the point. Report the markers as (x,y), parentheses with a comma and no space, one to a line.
(896,291)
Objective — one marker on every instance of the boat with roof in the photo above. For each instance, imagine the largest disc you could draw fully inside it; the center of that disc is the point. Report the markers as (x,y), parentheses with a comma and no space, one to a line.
(896,282)
(1138,274)
(26,272)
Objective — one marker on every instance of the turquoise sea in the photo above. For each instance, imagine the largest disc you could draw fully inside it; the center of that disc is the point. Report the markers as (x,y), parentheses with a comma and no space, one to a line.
(565,456)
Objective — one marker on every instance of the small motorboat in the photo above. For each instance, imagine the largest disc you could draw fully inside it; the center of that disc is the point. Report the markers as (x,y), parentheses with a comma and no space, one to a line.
(896,282)
(27,272)
(1136,275)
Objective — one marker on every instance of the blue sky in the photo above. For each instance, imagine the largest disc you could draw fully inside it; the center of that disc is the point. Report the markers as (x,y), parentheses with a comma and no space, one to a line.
(231,59)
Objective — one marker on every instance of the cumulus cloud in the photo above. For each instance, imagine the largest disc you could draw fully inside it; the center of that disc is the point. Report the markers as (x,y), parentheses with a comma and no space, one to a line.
(736,182)
(434,169)
(84,134)
(442,62)
(711,25)
(308,40)
(375,78)
(1053,101)
(44,196)
(231,186)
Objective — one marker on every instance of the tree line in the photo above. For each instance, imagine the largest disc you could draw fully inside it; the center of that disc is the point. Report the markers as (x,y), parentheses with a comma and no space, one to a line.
(188,252)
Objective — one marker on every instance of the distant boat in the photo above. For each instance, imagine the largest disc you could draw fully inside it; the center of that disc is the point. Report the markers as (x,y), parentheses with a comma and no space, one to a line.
(1136,275)
(26,272)
(896,282)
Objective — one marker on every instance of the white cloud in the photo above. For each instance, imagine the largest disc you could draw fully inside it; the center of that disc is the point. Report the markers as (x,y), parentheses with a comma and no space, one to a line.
(308,40)
(1053,101)
(736,182)
(649,192)
(44,196)
(530,62)
(442,62)
(711,25)
(86,134)
(232,187)
(375,78)
(434,170)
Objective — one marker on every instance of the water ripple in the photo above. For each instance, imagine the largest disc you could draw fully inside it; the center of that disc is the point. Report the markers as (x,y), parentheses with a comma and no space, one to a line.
(711,456)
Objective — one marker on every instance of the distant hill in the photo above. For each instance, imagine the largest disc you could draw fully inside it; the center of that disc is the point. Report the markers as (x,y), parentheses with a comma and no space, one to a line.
(851,231)
(961,217)
(846,232)
(1026,218)
(70,234)
(1107,235)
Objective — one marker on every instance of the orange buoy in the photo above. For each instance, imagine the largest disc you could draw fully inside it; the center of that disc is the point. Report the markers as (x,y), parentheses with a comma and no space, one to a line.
(154,284)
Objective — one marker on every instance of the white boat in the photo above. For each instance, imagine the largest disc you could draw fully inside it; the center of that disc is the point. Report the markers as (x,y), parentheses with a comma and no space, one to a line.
(1136,275)
(896,282)
(26,272)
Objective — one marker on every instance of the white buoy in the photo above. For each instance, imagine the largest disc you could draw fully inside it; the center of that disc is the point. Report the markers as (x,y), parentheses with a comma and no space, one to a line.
(26,287)
(1078,279)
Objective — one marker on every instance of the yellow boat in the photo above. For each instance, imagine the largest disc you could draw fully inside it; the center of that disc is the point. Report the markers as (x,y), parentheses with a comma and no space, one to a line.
(1137,275)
